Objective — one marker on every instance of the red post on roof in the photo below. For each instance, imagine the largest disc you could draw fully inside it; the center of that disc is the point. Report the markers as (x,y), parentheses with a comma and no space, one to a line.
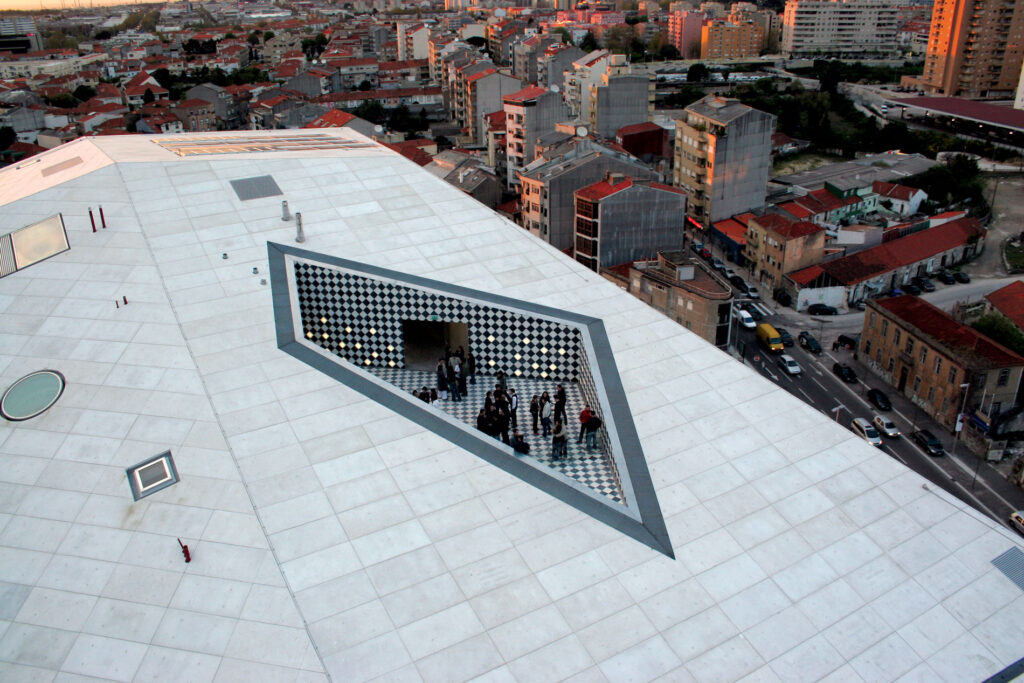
(92,220)
(102,219)
(185,552)
(125,300)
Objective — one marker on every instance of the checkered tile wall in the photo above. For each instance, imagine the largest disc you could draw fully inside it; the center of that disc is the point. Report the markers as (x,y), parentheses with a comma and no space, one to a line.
(360,319)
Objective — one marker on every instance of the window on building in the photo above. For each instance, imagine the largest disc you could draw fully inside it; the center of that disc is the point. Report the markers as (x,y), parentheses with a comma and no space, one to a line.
(996,407)
(938,365)
(909,348)
(952,375)
(1004,377)
(871,320)
(896,337)
(892,364)
(878,355)
(917,384)
(924,355)
(931,394)
(867,346)
(885,327)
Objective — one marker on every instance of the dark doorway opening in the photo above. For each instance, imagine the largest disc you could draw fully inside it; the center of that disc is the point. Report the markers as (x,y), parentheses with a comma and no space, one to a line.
(903,380)
(426,340)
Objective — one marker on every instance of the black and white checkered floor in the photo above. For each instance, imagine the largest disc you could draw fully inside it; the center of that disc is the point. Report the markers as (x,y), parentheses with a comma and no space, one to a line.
(590,468)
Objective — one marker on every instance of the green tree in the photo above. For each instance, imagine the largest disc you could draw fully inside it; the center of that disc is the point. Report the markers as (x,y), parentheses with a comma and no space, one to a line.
(7,137)
(267,36)
(589,42)
(254,38)
(564,32)
(365,85)
(477,41)
(697,73)
(999,329)
(372,111)
(84,92)
(64,100)
(617,38)
(229,36)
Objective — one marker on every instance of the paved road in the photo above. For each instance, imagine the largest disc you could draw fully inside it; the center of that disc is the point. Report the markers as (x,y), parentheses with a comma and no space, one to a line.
(991,494)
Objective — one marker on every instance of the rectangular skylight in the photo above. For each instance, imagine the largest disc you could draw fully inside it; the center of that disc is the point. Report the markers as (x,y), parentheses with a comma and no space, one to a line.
(32,244)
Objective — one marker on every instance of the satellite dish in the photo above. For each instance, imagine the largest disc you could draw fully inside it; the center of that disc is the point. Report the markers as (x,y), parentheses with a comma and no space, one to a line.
(378,128)
(554,88)
(581,131)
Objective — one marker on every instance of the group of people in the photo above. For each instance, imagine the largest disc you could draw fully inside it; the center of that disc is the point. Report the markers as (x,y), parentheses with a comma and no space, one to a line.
(499,416)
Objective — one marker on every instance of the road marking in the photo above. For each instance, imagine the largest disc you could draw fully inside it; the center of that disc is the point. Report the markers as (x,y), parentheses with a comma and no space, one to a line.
(894,454)
(820,385)
(805,395)
(928,459)
(981,481)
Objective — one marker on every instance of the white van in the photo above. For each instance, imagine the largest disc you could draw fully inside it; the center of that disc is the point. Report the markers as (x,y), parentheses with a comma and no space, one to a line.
(866,431)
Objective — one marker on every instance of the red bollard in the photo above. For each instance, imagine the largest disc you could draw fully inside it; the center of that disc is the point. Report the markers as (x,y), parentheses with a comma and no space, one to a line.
(185,552)
(102,219)
(125,300)
(92,220)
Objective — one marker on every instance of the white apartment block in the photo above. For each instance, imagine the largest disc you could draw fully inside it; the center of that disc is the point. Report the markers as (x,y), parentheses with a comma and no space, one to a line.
(839,28)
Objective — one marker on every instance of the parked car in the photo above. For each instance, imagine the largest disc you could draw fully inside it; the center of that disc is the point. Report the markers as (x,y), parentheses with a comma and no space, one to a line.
(886,427)
(847,341)
(783,297)
(745,319)
(790,365)
(1017,520)
(845,373)
(808,342)
(696,247)
(911,288)
(705,253)
(946,277)
(787,338)
(879,399)
(924,283)
(822,309)
(754,313)
(742,287)
(717,264)
(729,273)
(961,276)
(929,443)
(866,431)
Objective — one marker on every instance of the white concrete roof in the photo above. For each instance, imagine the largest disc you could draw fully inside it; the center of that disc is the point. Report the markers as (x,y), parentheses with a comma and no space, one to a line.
(334,537)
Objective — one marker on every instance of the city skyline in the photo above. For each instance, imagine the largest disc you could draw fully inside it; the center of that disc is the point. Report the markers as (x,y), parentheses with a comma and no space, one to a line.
(29,5)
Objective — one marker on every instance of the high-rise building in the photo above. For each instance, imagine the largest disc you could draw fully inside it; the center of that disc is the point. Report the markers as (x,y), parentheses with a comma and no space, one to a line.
(839,28)
(722,156)
(529,113)
(620,100)
(975,48)
(684,32)
(724,40)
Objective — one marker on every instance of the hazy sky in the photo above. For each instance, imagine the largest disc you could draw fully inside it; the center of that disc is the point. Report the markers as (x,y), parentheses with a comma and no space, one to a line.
(56,4)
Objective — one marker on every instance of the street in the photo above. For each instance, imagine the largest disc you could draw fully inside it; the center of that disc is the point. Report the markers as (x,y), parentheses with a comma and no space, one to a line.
(818,386)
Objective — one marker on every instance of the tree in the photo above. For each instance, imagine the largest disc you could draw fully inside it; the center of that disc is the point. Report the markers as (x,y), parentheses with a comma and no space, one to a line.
(365,85)
(268,36)
(64,100)
(103,35)
(477,41)
(84,92)
(372,111)
(148,97)
(1000,329)
(564,32)
(617,38)
(697,73)
(229,36)
(7,137)
(589,42)
(254,38)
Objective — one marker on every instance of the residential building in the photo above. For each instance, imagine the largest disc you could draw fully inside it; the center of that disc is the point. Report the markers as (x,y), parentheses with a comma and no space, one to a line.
(776,245)
(19,35)
(232,110)
(769,21)
(583,73)
(525,53)
(684,31)
(723,157)
(871,272)
(484,94)
(405,74)
(469,174)
(686,290)
(724,40)
(196,115)
(840,201)
(975,49)
(547,186)
(529,113)
(552,64)
(412,41)
(899,199)
(938,363)
(1008,302)
(648,141)
(501,37)
(839,28)
(497,134)
(619,219)
(619,99)
(315,81)
(353,72)
(164,124)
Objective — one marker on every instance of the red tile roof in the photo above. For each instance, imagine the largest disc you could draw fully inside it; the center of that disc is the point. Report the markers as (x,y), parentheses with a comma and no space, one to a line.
(526,94)
(1009,301)
(732,229)
(496,120)
(668,188)
(602,189)
(802,277)
(903,251)
(335,118)
(634,128)
(935,323)
(799,229)
(893,190)
(795,210)
(477,77)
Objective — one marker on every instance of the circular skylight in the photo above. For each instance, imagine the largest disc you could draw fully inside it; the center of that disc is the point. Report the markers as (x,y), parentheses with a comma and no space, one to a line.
(32,395)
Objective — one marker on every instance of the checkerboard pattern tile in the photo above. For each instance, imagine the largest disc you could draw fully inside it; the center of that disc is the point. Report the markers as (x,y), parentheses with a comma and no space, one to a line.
(589,467)
(360,319)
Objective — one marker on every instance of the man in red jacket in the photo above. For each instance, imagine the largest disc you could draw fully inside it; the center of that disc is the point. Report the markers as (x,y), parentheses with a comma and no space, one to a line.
(585,415)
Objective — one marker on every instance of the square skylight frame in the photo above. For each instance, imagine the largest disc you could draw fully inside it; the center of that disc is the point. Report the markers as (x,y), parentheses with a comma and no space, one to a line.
(140,488)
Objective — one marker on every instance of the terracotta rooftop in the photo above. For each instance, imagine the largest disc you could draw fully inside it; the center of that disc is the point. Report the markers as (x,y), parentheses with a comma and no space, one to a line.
(603,188)
(893,190)
(941,328)
(530,93)
(634,128)
(1009,301)
(335,118)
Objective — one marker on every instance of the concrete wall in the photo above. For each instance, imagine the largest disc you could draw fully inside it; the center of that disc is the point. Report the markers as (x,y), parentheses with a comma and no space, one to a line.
(621,103)
(739,178)
(638,222)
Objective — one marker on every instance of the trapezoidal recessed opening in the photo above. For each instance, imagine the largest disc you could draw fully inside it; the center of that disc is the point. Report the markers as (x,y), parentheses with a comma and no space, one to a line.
(425,341)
